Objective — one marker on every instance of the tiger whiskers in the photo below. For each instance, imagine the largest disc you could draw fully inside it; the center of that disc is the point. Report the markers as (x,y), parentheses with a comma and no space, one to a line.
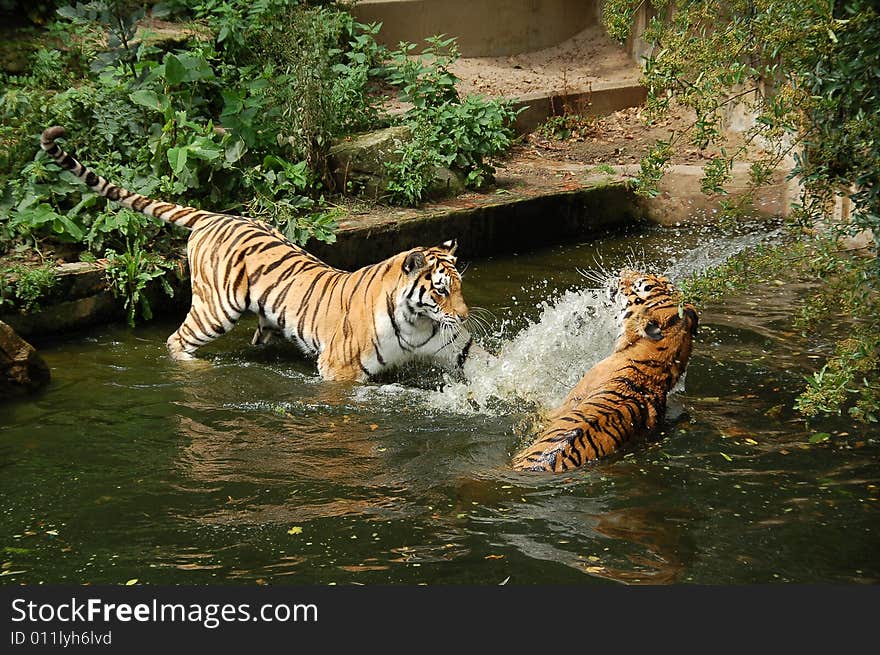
(478,322)
(599,275)
(450,331)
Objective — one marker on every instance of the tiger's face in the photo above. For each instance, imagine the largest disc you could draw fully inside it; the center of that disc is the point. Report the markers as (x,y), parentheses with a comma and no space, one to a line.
(651,309)
(633,288)
(434,285)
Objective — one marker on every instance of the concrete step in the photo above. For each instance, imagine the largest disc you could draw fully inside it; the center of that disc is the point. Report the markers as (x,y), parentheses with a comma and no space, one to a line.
(484,28)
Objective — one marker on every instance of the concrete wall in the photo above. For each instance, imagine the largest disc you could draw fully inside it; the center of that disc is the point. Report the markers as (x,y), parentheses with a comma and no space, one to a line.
(503,227)
(484,28)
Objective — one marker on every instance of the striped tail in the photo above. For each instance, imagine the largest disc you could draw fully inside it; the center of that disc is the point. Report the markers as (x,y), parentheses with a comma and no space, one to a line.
(167,211)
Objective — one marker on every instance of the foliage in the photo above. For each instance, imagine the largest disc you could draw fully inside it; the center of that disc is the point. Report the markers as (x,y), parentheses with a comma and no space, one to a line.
(278,186)
(23,286)
(239,122)
(130,272)
(843,293)
(149,119)
(809,72)
(36,12)
(448,130)
(321,87)
(411,175)
(850,379)
(761,264)
(842,147)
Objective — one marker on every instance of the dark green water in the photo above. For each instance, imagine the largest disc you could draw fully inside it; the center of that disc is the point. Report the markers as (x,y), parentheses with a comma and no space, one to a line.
(251,469)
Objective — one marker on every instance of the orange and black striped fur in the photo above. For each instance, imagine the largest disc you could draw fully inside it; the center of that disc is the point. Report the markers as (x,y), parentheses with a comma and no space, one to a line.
(623,396)
(357,323)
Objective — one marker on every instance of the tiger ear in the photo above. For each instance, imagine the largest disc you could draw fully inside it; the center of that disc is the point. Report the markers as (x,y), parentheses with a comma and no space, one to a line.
(415,261)
(450,245)
(652,331)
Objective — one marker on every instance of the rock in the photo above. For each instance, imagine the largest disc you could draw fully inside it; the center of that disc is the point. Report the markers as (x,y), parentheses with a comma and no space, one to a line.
(358,163)
(22,370)
(167,35)
(446,183)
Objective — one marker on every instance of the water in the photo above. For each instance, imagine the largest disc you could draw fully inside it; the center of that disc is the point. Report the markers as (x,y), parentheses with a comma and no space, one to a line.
(251,470)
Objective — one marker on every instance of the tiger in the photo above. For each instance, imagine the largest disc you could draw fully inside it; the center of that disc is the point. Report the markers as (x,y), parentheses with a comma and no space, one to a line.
(623,396)
(356,324)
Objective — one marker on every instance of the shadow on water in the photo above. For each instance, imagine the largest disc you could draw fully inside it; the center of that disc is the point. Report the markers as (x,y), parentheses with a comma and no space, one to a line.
(252,470)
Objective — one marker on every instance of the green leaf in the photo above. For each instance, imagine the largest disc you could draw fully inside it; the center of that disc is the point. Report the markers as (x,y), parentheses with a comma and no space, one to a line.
(175,72)
(235,151)
(204,148)
(727,457)
(295,530)
(819,437)
(64,225)
(34,216)
(149,99)
(177,159)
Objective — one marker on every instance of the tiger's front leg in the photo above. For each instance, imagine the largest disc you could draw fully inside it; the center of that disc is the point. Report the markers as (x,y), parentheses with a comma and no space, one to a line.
(338,371)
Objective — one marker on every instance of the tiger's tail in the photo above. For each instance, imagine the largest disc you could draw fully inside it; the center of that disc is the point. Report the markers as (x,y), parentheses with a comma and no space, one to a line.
(167,211)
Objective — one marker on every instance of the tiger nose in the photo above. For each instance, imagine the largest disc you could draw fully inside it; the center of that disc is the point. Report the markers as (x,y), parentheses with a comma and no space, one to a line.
(462,311)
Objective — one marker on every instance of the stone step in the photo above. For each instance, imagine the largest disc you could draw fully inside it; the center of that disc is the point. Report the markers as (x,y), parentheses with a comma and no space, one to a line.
(484,28)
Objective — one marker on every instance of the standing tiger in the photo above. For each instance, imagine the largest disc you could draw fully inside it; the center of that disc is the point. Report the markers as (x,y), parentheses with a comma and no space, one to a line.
(623,396)
(358,324)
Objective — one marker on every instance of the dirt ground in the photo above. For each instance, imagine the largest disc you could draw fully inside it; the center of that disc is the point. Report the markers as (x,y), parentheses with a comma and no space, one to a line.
(590,57)
(587,58)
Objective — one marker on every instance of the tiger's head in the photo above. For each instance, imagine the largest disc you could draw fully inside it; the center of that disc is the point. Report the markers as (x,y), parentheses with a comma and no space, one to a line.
(653,314)
(433,285)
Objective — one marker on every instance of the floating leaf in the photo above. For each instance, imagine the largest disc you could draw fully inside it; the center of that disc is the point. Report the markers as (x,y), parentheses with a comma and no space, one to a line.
(129,583)
(12,550)
(819,437)
(295,530)
(727,457)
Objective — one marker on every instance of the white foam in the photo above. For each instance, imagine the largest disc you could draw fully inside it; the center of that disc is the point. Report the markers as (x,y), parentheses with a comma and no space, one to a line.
(542,362)
(538,366)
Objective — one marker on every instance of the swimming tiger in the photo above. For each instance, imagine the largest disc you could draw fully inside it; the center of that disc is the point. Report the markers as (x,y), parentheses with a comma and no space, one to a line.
(623,396)
(357,324)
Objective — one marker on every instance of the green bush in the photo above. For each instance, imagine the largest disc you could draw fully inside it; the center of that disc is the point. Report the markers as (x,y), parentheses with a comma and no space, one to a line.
(22,287)
(812,72)
(239,122)
(448,130)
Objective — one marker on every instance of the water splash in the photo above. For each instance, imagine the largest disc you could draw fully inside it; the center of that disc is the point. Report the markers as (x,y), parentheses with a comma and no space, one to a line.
(542,362)
(715,251)
(537,366)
